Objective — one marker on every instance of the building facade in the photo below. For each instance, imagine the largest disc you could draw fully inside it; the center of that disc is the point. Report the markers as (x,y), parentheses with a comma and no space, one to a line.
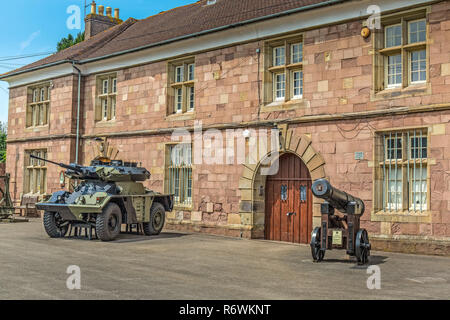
(362,100)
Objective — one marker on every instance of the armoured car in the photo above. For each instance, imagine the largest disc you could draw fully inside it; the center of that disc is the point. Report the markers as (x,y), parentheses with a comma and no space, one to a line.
(110,193)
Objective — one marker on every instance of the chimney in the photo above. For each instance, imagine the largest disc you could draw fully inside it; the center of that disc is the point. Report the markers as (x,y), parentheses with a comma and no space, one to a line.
(97,22)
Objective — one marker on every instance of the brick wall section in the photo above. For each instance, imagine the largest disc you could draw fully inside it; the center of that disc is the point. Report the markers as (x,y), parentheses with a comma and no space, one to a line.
(340,84)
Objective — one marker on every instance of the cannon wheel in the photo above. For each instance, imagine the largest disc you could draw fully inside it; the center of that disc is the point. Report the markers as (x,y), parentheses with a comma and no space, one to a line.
(362,247)
(316,251)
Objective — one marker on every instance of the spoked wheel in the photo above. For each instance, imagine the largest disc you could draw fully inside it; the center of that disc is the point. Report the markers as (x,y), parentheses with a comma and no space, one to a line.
(316,251)
(54,225)
(362,247)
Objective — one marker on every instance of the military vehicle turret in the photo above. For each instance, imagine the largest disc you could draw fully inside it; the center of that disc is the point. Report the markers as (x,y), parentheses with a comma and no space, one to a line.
(110,193)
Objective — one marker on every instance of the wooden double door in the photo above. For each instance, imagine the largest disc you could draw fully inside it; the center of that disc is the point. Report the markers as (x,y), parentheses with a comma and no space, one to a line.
(289,202)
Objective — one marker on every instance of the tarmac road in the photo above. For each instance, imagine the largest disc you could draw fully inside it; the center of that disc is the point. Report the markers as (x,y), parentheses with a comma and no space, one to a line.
(197,266)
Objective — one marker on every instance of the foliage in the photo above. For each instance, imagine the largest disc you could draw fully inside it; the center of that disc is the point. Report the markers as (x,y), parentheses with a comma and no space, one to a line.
(70,41)
(3,135)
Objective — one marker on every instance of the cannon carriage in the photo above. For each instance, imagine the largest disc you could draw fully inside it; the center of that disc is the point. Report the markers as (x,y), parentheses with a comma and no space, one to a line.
(339,230)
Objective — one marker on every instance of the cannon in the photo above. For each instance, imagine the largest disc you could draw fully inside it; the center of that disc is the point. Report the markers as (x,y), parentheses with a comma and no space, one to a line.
(110,193)
(339,231)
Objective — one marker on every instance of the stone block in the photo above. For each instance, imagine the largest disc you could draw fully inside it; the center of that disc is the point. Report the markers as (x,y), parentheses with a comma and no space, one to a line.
(322,86)
(196,216)
(179,215)
(234,218)
(245,206)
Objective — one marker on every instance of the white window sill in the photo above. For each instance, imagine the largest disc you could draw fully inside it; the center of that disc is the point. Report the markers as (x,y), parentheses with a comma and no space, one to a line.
(393,87)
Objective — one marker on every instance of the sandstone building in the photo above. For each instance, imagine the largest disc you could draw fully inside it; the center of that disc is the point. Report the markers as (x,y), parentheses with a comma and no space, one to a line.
(369,110)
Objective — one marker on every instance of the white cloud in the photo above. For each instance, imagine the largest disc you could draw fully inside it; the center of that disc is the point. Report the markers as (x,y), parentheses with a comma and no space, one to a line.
(25,44)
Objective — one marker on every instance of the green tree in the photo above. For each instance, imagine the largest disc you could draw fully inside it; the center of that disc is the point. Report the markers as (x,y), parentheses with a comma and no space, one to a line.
(3,135)
(70,41)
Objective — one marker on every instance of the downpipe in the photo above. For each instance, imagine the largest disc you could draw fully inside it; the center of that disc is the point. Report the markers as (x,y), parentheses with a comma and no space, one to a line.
(77,147)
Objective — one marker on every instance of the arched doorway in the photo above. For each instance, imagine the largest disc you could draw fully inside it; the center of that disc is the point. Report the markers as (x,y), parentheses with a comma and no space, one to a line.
(288,202)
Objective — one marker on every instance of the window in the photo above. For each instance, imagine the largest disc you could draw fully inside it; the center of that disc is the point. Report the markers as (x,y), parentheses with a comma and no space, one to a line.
(179,173)
(280,86)
(181,93)
(418,66)
(297,84)
(191,72)
(279,56)
(35,172)
(106,98)
(179,100)
(401,58)
(393,36)
(38,105)
(297,53)
(284,70)
(417,31)
(402,171)
(394,70)
(191,98)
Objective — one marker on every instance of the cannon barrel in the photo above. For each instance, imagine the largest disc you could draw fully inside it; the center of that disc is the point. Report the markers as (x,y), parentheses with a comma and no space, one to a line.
(338,199)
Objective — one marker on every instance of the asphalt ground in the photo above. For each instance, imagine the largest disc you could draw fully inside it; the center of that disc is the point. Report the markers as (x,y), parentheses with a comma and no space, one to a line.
(198,266)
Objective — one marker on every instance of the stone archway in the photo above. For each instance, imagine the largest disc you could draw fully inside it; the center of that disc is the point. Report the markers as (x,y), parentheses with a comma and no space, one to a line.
(252,183)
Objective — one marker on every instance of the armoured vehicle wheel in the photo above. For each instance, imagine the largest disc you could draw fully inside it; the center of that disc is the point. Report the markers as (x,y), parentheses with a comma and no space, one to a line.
(109,222)
(157,218)
(54,225)
(362,247)
(316,251)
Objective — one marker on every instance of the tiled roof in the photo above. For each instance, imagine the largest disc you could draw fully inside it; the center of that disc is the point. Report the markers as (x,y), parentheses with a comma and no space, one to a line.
(172,25)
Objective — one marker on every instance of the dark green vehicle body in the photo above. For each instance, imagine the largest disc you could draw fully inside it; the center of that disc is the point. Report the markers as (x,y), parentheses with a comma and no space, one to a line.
(110,194)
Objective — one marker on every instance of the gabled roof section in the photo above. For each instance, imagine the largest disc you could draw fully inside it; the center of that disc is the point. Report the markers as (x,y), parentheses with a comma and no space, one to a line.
(172,25)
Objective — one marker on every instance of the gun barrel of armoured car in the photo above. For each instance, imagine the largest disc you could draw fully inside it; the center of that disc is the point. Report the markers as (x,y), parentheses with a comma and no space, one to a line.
(338,199)
(112,172)
(73,170)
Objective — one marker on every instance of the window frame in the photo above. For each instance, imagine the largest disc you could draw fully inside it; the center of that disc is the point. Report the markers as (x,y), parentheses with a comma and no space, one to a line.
(38,105)
(32,167)
(386,38)
(406,165)
(404,19)
(275,89)
(182,199)
(272,69)
(175,83)
(106,92)
(410,71)
(292,52)
(409,30)
(386,72)
(294,96)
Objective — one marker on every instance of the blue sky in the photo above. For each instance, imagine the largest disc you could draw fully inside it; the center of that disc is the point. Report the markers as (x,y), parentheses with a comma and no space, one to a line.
(35,26)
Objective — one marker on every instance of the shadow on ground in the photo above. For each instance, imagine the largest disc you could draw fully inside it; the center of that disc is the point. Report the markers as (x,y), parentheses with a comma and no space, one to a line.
(373,260)
(131,237)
